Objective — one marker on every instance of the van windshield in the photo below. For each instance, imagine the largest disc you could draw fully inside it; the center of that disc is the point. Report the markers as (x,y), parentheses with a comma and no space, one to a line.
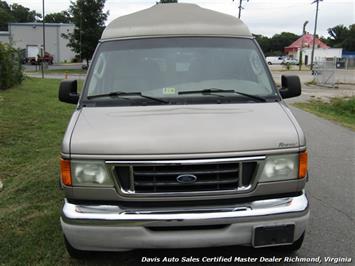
(166,68)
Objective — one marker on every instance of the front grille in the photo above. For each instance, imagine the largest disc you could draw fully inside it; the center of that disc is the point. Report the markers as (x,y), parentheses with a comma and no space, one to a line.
(155,179)
(200,177)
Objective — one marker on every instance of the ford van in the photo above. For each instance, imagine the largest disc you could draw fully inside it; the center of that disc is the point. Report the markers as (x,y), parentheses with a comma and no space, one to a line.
(181,139)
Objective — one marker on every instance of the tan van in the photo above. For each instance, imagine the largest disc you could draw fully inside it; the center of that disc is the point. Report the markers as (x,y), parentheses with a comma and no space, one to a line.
(181,139)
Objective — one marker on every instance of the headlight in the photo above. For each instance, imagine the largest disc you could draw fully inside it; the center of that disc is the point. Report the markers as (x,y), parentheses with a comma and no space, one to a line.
(280,167)
(90,173)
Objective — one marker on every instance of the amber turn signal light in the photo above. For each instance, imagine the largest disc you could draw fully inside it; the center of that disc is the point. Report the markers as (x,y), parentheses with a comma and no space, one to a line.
(65,173)
(303,164)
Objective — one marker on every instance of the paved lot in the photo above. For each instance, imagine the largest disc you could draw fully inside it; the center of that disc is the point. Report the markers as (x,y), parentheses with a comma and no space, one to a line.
(331,193)
(341,75)
(57,67)
(313,91)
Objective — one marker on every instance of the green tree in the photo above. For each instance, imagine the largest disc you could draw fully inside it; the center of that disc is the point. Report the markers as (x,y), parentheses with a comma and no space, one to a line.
(338,35)
(349,43)
(15,13)
(264,42)
(282,40)
(5,15)
(23,14)
(342,37)
(5,6)
(276,44)
(89,20)
(60,17)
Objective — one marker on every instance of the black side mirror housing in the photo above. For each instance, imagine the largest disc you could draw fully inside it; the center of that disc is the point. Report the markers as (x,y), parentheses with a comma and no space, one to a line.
(290,86)
(68,91)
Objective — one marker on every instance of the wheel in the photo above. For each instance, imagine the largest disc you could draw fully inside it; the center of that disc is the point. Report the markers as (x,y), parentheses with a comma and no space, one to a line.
(73,252)
(269,63)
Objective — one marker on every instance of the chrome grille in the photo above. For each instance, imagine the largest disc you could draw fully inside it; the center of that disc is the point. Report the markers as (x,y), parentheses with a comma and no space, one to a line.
(160,177)
(155,179)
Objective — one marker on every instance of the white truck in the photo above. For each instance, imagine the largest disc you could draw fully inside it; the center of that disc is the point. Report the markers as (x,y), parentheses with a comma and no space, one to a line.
(34,55)
(275,60)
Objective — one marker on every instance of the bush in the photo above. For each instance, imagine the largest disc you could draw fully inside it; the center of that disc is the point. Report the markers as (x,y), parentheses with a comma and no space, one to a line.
(76,59)
(10,67)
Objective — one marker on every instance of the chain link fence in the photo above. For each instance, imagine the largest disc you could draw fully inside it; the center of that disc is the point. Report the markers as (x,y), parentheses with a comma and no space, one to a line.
(346,63)
(330,71)
(324,70)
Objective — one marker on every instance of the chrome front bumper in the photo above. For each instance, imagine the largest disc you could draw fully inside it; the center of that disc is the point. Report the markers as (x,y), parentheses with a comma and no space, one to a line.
(108,227)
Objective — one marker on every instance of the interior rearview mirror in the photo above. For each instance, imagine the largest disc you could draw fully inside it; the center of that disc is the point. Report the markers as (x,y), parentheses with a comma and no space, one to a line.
(68,91)
(290,86)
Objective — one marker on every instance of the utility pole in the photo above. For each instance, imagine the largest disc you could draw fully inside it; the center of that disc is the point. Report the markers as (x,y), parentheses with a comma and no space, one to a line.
(81,21)
(301,49)
(315,32)
(240,7)
(44,39)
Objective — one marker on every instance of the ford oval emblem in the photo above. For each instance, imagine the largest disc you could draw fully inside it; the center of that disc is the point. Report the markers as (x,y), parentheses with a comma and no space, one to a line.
(186,179)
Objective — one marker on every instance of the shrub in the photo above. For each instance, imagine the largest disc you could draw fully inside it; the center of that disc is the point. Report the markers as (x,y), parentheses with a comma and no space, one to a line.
(10,67)
(76,59)
(287,66)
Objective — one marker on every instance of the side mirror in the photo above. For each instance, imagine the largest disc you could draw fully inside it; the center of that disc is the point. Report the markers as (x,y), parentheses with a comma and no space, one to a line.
(290,86)
(68,91)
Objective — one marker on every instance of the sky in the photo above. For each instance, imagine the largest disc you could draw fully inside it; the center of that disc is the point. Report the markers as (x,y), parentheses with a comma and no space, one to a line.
(266,17)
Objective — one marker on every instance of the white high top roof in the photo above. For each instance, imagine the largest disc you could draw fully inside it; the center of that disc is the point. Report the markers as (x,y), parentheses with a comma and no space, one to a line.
(175,20)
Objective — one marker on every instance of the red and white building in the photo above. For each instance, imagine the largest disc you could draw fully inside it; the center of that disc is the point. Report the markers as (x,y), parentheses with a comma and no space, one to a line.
(321,51)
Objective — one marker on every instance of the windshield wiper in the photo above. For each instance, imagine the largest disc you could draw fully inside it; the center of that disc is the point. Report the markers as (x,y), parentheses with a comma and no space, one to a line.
(216,90)
(122,93)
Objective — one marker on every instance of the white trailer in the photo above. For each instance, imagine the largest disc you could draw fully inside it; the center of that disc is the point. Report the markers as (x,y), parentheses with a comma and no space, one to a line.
(33,51)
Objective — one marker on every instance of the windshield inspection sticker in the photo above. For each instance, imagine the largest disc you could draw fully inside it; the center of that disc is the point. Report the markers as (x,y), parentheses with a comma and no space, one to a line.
(169,91)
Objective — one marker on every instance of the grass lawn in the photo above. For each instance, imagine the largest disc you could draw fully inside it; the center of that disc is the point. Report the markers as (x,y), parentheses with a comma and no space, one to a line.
(341,110)
(32,124)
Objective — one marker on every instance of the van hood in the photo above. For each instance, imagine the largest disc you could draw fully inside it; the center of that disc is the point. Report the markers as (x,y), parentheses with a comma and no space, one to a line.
(182,129)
